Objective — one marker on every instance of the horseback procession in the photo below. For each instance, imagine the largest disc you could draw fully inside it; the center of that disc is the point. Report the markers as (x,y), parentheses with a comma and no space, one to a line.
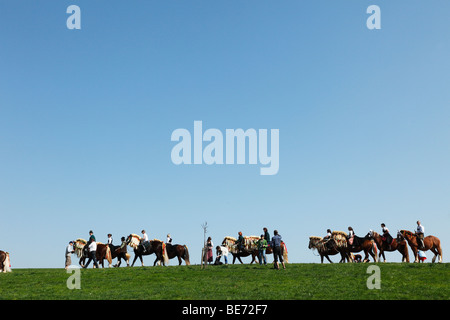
(255,246)
(345,244)
(97,252)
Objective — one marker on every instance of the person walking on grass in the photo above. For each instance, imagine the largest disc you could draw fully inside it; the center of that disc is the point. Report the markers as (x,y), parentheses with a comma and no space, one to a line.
(276,247)
(261,244)
(92,254)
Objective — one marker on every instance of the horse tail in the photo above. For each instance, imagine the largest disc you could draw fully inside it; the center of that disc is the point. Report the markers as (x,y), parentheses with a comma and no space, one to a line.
(7,263)
(437,245)
(285,253)
(186,255)
(108,255)
(375,250)
(165,256)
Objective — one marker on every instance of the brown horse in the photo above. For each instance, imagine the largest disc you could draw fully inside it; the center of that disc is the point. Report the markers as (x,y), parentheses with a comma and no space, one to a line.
(430,242)
(5,264)
(82,250)
(153,246)
(325,248)
(177,250)
(400,246)
(103,252)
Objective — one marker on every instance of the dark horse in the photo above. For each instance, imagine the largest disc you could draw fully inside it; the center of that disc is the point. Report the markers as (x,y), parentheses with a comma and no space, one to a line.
(117,253)
(365,244)
(230,243)
(399,245)
(153,246)
(176,250)
(325,248)
(250,249)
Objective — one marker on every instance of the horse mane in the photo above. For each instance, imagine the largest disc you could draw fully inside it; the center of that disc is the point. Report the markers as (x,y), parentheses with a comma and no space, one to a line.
(135,240)
(340,237)
(341,233)
(407,232)
(79,245)
(157,240)
(230,238)
(317,244)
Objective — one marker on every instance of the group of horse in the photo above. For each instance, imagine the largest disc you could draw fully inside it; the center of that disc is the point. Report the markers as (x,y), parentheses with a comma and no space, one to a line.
(373,242)
(163,251)
(338,243)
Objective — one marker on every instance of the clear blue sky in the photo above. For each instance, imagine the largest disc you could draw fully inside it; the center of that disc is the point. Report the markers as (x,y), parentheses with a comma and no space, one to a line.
(86,118)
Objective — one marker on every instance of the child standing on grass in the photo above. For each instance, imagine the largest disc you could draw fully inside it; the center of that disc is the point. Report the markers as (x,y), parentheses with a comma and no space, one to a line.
(422,256)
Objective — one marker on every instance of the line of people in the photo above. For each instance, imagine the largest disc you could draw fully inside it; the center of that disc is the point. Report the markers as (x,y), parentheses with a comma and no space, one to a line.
(92,247)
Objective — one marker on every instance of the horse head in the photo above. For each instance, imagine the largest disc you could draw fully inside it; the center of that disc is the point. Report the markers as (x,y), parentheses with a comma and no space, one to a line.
(127,241)
(313,242)
(400,235)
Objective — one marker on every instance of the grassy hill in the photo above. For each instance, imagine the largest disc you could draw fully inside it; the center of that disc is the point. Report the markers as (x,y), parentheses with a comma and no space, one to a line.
(236,282)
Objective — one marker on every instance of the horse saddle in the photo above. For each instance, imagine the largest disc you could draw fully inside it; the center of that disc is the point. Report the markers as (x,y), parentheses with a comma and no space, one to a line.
(146,245)
(388,239)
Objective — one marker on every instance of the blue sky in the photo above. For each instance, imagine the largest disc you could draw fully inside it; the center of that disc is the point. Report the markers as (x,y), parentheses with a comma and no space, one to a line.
(86,118)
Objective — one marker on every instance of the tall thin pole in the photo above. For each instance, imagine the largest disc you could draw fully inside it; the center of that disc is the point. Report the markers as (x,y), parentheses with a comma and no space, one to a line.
(205,230)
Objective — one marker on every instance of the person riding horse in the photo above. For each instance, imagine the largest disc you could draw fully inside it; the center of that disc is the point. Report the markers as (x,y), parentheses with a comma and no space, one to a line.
(144,241)
(328,239)
(240,242)
(352,240)
(420,235)
(386,235)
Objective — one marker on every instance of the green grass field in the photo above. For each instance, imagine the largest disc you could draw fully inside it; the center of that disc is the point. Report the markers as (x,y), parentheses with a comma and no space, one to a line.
(236,282)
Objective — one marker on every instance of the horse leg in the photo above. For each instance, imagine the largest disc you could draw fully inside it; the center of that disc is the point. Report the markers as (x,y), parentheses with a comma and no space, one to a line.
(416,254)
(439,250)
(179,260)
(328,258)
(436,253)
(253,258)
(366,255)
(382,254)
